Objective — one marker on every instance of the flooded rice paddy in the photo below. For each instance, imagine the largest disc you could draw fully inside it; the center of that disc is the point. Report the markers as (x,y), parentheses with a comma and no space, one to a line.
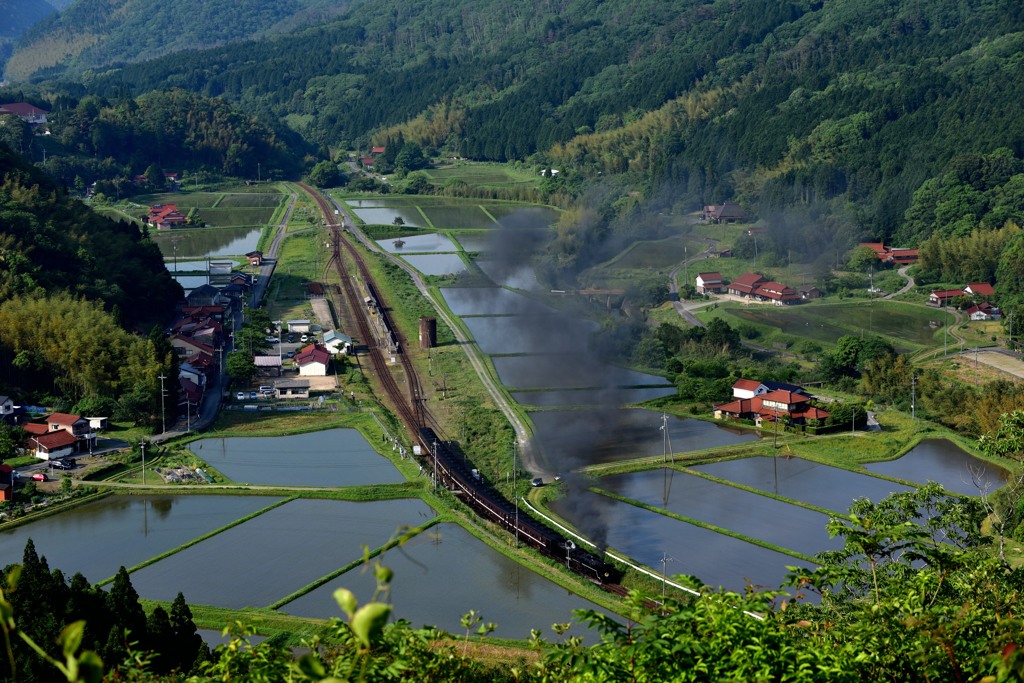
(437,264)
(466,301)
(274,554)
(97,538)
(432,243)
(336,457)
(591,397)
(809,482)
(410,216)
(458,217)
(519,334)
(444,573)
(566,371)
(647,537)
(567,439)
(942,461)
(779,523)
(208,242)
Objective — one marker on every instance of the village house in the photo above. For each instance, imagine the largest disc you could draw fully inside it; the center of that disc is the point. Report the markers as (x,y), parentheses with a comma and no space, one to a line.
(186,346)
(777,293)
(980,289)
(745,284)
(165,217)
(775,405)
(61,435)
(710,283)
(942,297)
(53,445)
(255,258)
(312,361)
(898,256)
(748,388)
(29,113)
(336,343)
(984,311)
(730,212)
(292,388)
(809,292)
(268,366)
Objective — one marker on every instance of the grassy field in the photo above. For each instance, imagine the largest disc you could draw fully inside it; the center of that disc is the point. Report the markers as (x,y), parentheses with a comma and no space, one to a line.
(907,327)
(477,174)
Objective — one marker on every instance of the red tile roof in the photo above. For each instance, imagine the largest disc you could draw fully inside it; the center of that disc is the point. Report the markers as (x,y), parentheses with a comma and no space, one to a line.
(52,440)
(63,418)
(746,384)
(312,354)
(980,288)
(710,278)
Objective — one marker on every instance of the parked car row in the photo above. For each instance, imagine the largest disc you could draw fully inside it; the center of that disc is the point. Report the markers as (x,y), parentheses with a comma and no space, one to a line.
(264,392)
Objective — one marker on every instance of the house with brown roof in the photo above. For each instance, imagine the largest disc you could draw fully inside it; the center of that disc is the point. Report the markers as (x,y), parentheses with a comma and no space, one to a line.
(165,216)
(899,256)
(775,405)
(729,212)
(980,289)
(312,361)
(29,113)
(777,293)
(984,311)
(255,257)
(746,284)
(710,283)
(942,297)
(53,445)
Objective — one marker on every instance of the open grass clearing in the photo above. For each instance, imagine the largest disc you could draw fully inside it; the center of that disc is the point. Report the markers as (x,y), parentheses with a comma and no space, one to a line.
(483,174)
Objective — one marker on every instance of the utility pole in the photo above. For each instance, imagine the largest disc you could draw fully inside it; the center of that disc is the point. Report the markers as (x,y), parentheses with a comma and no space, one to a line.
(435,465)
(515,488)
(142,446)
(163,413)
(775,439)
(665,559)
(666,443)
(913,397)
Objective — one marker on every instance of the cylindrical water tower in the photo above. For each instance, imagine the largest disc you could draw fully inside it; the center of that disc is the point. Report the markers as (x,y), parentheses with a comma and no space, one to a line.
(428,332)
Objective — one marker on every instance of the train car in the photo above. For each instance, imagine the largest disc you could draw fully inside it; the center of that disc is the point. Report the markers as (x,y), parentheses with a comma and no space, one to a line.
(452,470)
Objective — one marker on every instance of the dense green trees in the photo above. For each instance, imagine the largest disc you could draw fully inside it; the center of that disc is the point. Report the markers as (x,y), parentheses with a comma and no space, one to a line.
(114,624)
(916,593)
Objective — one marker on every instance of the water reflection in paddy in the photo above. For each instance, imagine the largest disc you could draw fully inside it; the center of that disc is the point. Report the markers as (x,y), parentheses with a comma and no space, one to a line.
(504,275)
(568,439)
(591,397)
(809,482)
(209,242)
(97,538)
(647,537)
(782,524)
(942,461)
(418,243)
(444,573)
(565,371)
(475,241)
(437,264)
(490,301)
(386,216)
(336,457)
(529,334)
(270,556)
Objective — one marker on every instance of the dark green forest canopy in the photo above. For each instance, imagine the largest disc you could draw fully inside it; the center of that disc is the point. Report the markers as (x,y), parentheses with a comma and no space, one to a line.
(813,101)
(51,243)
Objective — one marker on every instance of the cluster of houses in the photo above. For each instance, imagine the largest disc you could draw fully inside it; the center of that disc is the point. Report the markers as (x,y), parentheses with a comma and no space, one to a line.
(368,162)
(754,286)
(769,402)
(897,256)
(972,292)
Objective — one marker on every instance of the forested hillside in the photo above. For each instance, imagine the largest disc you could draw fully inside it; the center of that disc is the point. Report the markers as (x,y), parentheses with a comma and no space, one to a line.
(781,104)
(74,287)
(97,32)
(17,16)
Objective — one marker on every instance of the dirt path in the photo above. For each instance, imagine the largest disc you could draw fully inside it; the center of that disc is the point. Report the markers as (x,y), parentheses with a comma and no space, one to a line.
(906,287)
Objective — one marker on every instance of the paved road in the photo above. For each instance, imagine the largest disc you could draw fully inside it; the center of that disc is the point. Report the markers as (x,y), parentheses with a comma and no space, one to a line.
(906,287)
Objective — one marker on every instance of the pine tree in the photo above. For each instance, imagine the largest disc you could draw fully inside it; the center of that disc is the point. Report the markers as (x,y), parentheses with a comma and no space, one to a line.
(186,639)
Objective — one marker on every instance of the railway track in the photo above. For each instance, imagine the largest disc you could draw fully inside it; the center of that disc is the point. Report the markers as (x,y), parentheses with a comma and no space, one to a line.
(410,407)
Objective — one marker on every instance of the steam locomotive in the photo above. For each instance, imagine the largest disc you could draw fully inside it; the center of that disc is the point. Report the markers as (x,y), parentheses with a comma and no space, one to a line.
(451,469)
